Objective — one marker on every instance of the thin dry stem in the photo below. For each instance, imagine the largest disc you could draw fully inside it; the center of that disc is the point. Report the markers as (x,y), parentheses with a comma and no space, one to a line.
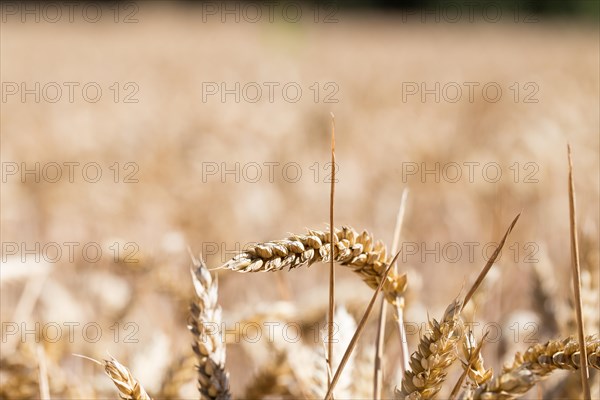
(490,262)
(585,374)
(378,365)
(359,330)
(331,268)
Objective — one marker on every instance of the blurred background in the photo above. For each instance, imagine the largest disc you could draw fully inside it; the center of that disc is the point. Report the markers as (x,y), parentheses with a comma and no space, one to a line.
(134,131)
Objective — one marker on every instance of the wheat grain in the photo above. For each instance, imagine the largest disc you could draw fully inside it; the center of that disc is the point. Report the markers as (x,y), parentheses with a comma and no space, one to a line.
(436,352)
(474,364)
(536,364)
(213,379)
(357,251)
(129,388)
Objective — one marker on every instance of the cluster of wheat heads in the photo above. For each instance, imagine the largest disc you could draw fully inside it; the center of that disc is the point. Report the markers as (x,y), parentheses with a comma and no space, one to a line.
(287,376)
(429,364)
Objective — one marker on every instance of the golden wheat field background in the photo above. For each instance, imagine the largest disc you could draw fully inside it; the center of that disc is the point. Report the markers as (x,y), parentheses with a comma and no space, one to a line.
(159,128)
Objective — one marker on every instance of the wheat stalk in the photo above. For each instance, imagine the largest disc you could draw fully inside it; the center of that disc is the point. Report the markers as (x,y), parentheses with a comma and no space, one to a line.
(359,330)
(129,387)
(213,379)
(399,311)
(357,251)
(331,311)
(576,269)
(436,352)
(536,364)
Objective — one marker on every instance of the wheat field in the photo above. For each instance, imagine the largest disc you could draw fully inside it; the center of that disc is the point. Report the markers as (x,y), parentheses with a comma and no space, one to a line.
(160,139)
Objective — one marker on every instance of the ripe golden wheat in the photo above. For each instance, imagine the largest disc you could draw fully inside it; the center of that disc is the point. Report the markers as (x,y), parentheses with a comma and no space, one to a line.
(213,379)
(298,370)
(360,252)
(536,364)
(129,388)
(436,352)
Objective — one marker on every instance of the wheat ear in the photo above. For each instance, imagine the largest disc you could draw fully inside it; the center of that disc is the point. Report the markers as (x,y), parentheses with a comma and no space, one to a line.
(129,387)
(474,364)
(213,379)
(536,364)
(357,251)
(436,352)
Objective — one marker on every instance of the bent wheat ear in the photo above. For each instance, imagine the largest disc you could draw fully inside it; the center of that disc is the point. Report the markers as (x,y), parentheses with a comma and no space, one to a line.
(436,352)
(536,364)
(129,387)
(357,251)
(213,379)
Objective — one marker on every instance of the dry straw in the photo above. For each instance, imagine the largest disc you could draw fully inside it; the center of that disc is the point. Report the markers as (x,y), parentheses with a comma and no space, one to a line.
(213,380)
(399,314)
(331,311)
(357,251)
(359,329)
(585,374)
